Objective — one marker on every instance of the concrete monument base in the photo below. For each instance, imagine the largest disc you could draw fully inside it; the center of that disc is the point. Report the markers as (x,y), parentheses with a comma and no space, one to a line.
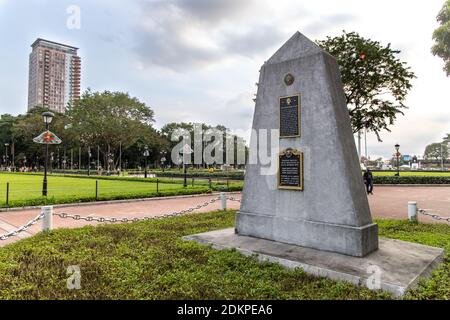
(398,264)
(345,239)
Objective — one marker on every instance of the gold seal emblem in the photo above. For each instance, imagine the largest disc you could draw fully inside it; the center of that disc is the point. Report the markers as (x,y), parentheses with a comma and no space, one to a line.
(289,79)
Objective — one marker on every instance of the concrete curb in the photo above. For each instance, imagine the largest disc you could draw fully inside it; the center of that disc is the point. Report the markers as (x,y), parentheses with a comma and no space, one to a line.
(95,203)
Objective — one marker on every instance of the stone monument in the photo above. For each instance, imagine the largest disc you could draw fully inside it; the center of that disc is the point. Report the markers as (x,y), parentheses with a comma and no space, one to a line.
(312,211)
(321,204)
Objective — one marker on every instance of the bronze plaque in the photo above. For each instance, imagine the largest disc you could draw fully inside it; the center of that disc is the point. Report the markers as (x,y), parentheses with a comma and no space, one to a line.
(290,116)
(290,170)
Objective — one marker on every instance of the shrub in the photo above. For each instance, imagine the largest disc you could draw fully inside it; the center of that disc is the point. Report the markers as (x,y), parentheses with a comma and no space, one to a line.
(411,180)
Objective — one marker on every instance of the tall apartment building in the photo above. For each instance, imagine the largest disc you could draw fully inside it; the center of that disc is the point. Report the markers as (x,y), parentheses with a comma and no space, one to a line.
(54,75)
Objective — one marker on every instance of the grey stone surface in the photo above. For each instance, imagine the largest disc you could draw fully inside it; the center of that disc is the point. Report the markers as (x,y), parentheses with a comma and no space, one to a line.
(400,264)
(332,213)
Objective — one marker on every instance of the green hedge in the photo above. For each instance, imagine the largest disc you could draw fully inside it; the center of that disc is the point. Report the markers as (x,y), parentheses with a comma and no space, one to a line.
(411,180)
(236,175)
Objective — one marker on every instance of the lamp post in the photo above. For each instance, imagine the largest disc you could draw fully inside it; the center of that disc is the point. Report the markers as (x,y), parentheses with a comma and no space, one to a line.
(98,158)
(446,144)
(187,150)
(397,154)
(89,161)
(146,154)
(163,160)
(6,154)
(47,117)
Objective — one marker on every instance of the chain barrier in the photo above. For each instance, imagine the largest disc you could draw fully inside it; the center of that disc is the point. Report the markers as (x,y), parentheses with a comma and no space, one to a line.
(234,199)
(127,219)
(433,215)
(64,215)
(22,228)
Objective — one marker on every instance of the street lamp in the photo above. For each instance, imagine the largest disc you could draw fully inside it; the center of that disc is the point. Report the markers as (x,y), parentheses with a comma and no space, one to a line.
(446,144)
(163,160)
(47,116)
(397,154)
(89,161)
(187,150)
(146,154)
(6,154)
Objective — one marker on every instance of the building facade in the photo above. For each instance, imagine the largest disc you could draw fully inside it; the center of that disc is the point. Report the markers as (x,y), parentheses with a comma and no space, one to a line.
(54,75)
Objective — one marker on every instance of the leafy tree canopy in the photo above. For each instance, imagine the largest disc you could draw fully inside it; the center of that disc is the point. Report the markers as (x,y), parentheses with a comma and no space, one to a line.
(375,81)
(109,118)
(436,151)
(441,36)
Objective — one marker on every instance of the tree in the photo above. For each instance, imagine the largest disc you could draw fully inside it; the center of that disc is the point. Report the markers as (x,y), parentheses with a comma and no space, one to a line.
(110,120)
(441,36)
(436,151)
(375,81)
(6,136)
(168,129)
(446,139)
(28,126)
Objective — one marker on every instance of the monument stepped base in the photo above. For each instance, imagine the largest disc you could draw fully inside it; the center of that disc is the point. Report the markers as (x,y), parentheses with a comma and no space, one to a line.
(399,263)
(345,239)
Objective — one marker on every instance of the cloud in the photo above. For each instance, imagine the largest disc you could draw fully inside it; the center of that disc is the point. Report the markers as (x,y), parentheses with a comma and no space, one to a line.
(255,42)
(185,34)
(322,24)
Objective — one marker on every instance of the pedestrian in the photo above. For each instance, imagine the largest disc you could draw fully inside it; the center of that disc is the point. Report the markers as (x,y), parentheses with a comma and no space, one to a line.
(368,181)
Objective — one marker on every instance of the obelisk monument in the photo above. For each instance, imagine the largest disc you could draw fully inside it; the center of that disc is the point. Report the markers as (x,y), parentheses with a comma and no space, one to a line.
(315,198)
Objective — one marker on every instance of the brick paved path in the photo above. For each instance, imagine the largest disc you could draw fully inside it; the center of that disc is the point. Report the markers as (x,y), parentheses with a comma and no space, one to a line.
(387,202)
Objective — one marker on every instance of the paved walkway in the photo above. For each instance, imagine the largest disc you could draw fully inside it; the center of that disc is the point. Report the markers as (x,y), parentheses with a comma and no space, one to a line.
(387,202)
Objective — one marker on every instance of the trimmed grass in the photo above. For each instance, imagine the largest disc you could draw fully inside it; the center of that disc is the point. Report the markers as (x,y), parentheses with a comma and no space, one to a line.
(26,189)
(148,260)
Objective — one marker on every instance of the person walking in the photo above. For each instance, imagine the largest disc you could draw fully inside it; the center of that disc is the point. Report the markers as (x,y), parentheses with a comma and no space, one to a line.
(368,181)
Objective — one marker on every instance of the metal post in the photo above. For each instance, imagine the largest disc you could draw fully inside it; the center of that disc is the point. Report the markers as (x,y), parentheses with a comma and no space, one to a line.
(412,211)
(7,194)
(120,156)
(89,161)
(44,183)
(185,175)
(192,181)
(107,158)
(96,189)
(79,159)
(228,184)
(98,157)
(223,201)
(13,154)
(145,170)
(210,183)
(157,185)
(47,221)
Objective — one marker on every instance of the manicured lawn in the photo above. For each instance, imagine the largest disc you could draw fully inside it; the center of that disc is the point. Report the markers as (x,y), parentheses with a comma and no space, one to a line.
(26,189)
(148,260)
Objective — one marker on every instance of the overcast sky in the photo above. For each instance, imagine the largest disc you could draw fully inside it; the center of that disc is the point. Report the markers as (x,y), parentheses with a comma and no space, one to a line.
(198,60)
